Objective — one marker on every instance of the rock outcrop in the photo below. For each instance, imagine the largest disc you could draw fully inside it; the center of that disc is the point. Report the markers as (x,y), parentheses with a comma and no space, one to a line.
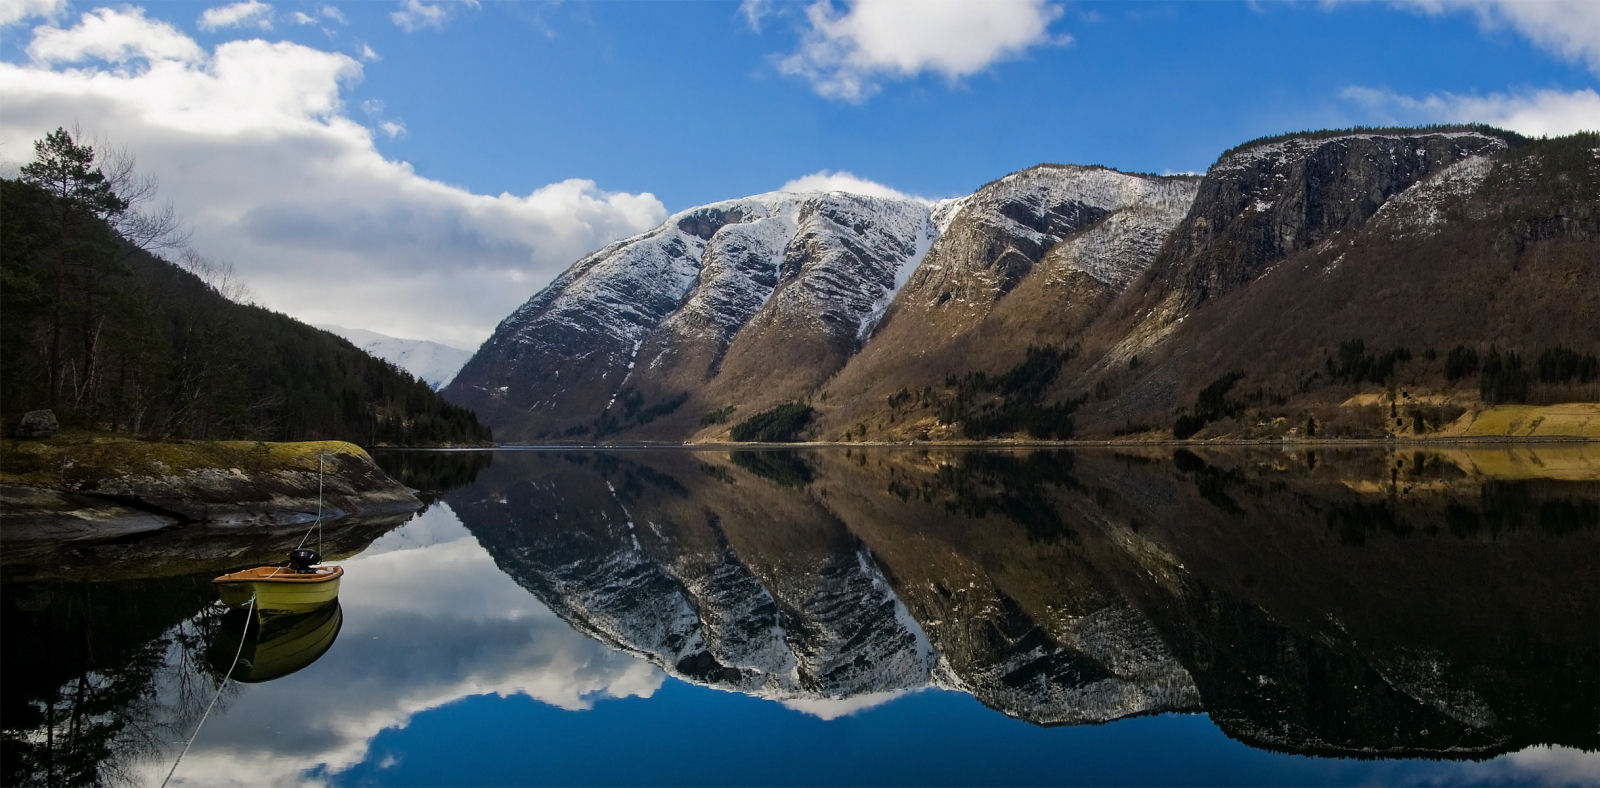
(111,488)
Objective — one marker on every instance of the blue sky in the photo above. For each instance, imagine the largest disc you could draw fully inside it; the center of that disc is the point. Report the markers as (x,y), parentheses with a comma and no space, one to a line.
(421,168)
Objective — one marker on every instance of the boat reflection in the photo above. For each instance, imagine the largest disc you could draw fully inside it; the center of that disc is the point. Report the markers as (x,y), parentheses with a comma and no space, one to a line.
(274,644)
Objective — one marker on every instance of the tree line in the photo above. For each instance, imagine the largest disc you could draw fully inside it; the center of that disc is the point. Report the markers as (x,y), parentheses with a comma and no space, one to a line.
(98,328)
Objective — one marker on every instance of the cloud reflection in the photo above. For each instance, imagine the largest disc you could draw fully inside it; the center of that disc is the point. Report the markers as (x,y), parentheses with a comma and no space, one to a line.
(834,708)
(429,620)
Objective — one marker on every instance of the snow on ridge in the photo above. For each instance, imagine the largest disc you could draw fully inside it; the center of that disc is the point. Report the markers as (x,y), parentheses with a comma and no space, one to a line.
(1096,187)
(1295,148)
(1119,248)
(715,266)
(931,230)
(1421,206)
(433,363)
(843,282)
(943,212)
(1140,210)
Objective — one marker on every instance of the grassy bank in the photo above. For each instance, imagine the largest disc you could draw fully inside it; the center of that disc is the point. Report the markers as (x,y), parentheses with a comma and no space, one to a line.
(71,459)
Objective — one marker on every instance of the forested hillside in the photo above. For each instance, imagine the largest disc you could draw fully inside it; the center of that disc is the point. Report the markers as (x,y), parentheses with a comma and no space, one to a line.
(112,337)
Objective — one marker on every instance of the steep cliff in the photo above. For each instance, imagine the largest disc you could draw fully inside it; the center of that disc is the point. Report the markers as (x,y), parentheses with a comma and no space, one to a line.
(1305,264)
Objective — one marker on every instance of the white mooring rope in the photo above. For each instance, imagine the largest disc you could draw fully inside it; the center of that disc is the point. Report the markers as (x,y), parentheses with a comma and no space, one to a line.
(220,687)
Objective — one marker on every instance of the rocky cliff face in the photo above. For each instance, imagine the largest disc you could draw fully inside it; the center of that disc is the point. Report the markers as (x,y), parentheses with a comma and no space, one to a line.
(1263,202)
(1392,243)
(1266,201)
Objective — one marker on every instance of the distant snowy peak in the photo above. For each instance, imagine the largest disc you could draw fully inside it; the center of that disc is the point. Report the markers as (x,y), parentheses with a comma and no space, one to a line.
(430,362)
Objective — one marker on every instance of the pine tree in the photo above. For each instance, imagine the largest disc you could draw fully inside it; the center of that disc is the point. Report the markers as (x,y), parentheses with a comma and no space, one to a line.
(66,171)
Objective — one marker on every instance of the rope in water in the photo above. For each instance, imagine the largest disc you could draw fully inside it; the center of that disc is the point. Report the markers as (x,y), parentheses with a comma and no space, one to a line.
(220,687)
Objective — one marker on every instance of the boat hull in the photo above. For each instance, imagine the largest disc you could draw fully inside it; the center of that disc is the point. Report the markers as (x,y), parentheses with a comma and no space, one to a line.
(274,588)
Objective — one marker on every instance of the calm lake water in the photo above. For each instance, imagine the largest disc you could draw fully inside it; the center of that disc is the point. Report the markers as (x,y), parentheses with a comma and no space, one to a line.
(882,616)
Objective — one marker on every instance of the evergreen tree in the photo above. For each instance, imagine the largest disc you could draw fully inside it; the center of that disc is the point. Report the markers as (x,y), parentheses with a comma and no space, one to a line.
(79,257)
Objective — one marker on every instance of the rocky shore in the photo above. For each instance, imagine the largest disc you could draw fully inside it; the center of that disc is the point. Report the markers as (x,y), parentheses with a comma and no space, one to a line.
(98,488)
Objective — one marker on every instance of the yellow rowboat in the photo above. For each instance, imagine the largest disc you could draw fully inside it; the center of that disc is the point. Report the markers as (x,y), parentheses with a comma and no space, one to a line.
(281,588)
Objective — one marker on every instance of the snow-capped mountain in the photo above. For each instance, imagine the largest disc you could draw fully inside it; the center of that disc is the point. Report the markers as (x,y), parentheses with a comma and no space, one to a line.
(777,288)
(430,362)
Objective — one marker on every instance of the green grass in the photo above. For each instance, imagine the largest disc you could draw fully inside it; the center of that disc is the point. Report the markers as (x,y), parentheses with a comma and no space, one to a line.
(69,458)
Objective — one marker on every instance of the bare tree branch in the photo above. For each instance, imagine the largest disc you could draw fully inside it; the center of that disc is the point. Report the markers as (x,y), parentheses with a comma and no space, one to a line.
(219,275)
(144,225)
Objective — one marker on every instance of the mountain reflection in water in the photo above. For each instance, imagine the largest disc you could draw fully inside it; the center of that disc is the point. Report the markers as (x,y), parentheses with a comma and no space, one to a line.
(1356,603)
(1352,604)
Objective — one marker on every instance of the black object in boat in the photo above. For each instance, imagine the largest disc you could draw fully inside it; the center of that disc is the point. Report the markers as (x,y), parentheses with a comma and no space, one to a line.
(301,560)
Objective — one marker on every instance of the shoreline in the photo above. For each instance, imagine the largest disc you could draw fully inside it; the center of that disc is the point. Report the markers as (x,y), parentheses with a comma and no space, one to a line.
(1278,443)
(69,491)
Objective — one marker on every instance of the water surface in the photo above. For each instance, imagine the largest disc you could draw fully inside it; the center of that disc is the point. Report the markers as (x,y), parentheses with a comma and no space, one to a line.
(863,617)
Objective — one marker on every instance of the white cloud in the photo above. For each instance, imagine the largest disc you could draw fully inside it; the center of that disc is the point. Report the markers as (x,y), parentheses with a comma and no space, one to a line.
(14,11)
(1569,28)
(847,55)
(415,15)
(840,181)
(250,13)
(115,36)
(253,144)
(369,54)
(327,12)
(1534,113)
(1540,764)
(392,128)
(754,11)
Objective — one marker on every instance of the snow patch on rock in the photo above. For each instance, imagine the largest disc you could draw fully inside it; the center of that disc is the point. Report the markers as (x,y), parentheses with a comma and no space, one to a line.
(1423,206)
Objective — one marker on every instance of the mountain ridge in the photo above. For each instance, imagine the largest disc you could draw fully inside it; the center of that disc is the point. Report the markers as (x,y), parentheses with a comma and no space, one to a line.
(899,319)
